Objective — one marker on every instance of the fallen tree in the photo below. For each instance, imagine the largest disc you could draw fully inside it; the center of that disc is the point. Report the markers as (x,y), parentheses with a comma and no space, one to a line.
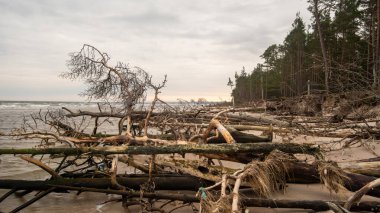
(265,148)
(317,205)
(162,182)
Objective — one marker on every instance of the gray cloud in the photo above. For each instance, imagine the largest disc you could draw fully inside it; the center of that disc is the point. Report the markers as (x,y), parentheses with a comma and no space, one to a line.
(199,44)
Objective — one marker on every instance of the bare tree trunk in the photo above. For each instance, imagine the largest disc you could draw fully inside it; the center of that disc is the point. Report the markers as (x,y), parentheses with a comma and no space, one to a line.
(360,193)
(377,51)
(168,149)
(162,182)
(317,205)
(373,48)
(322,43)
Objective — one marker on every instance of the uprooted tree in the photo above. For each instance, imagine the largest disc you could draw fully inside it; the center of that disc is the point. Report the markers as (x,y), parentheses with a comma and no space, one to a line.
(183,147)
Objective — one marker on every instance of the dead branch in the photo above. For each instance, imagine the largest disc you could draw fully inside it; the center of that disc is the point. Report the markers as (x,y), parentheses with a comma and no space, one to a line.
(114,173)
(360,193)
(157,89)
(216,124)
(41,165)
(34,199)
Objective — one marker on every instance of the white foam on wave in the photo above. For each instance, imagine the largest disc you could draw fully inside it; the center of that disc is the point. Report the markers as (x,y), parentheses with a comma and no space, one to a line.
(43,105)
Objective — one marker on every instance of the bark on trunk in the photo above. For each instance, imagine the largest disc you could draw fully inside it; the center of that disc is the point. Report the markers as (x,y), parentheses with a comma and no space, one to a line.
(317,205)
(322,43)
(364,168)
(164,182)
(263,148)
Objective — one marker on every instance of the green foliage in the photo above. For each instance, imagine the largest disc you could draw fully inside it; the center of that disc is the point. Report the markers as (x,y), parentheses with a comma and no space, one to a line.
(349,29)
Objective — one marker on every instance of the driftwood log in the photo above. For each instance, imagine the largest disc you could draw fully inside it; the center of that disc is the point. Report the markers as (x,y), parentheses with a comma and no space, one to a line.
(264,148)
(241,137)
(308,173)
(365,168)
(162,182)
(298,172)
(316,205)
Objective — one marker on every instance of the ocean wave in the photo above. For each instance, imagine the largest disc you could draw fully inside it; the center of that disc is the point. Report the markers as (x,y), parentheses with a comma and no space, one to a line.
(42,105)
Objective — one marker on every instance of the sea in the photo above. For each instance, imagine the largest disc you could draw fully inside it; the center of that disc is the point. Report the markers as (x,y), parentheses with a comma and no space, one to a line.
(12,115)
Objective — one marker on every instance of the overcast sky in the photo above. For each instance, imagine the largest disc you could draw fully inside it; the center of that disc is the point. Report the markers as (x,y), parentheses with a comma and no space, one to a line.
(198,44)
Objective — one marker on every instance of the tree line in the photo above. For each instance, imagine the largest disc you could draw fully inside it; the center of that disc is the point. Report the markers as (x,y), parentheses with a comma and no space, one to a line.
(338,51)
